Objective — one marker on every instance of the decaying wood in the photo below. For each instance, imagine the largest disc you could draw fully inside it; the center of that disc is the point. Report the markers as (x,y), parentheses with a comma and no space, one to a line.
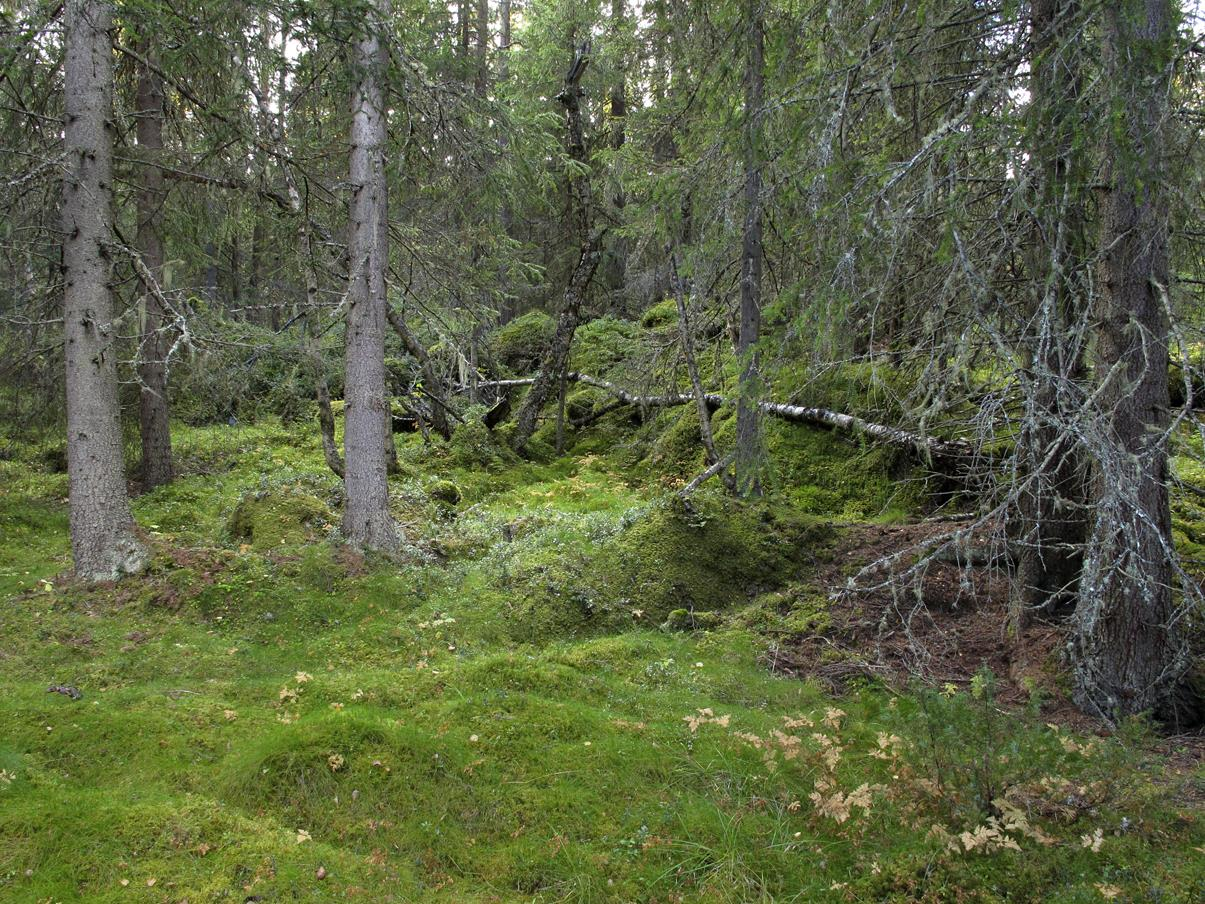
(432,387)
(714,469)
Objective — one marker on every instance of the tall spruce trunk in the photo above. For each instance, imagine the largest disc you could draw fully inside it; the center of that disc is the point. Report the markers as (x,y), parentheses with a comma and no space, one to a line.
(104,544)
(1127,648)
(153,422)
(366,519)
(1051,514)
(748,417)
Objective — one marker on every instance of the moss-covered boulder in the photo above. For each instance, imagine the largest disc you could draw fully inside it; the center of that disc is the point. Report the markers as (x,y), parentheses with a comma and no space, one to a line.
(705,557)
(281,516)
(520,344)
(601,344)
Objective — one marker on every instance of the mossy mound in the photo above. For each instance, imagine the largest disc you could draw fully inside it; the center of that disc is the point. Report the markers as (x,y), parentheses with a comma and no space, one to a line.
(689,620)
(283,516)
(298,771)
(705,557)
(475,446)
(830,473)
(659,315)
(678,447)
(521,343)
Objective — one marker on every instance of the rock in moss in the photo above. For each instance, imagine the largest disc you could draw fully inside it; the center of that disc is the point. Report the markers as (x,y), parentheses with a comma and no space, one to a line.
(445,491)
(283,516)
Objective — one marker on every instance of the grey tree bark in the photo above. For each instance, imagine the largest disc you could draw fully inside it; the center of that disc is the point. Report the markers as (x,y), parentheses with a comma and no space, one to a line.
(104,544)
(749,450)
(1127,647)
(366,519)
(153,418)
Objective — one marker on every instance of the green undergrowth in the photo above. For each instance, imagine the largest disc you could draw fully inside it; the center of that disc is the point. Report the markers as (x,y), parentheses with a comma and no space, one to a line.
(558,694)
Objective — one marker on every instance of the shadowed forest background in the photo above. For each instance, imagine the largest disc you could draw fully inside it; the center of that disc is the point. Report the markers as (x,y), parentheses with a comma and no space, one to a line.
(602,450)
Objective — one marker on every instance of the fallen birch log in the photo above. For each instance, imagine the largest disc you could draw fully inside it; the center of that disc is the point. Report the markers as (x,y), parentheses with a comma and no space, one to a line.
(925,446)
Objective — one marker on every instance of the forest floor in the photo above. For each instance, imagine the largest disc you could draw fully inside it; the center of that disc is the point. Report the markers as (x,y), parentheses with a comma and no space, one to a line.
(572,688)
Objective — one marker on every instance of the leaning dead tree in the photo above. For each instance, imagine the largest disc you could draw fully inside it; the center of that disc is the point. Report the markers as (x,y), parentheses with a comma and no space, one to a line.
(556,359)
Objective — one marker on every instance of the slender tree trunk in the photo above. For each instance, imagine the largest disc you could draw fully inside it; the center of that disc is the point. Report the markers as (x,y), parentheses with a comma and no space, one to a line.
(483,46)
(617,260)
(256,276)
(508,305)
(103,540)
(366,520)
(326,423)
(1127,649)
(1051,511)
(153,420)
(748,416)
(236,273)
(464,27)
(692,366)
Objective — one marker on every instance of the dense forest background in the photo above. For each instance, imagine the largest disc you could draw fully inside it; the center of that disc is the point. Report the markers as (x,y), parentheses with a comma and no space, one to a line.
(859,342)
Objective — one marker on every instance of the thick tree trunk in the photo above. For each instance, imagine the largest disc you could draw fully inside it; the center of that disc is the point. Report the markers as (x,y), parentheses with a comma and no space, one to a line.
(153,421)
(1050,509)
(749,458)
(366,520)
(103,540)
(1127,648)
